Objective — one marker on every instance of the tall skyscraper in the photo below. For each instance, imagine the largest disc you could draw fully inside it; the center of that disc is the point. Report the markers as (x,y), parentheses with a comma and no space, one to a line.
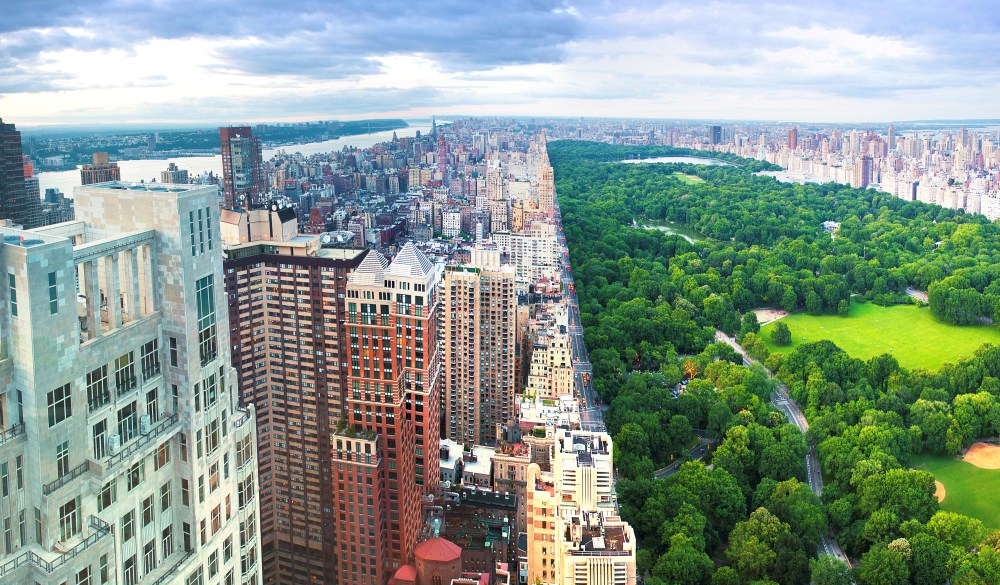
(386,447)
(242,169)
(793,138)
(496,190)
(288,331)
(714,134)
(101,171)
(129,460)
(479,330)
(892,137)
(15,202)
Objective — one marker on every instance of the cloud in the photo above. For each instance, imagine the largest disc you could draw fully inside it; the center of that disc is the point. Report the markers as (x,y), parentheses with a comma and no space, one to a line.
(713,58)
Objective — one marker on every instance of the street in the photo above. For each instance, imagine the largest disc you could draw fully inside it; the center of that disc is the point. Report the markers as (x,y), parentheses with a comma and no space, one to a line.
(793,412)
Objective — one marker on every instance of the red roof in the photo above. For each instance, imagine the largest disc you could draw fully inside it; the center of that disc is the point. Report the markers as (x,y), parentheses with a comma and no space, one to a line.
(439,550)
(405,574)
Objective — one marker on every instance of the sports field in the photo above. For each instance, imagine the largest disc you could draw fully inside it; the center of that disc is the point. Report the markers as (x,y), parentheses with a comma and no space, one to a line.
(910,333)
(969,490)
(689,179)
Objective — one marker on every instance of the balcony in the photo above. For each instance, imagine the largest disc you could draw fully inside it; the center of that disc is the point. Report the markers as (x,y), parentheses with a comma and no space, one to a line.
(11,433)
(163,427)
(99,528)
(150,372)
(74,473)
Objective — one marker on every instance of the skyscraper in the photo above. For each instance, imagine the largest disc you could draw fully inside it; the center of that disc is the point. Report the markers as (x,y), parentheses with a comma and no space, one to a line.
(174,175)
(385,449)
(101,171)
(793,138)
(714,134)
(129,459)
(15,202)
(479,329)
(287,328)
(242,169)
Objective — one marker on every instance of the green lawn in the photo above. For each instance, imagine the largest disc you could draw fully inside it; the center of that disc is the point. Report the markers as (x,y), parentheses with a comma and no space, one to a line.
(689,179)
(910,333)
(969,490)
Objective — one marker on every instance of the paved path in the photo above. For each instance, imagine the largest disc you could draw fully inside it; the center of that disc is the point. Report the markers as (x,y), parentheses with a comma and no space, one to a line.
(793,412)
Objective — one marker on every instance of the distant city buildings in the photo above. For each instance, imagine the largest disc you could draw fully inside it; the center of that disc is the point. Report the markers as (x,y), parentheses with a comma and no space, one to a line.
(101,171)
(174,175)
(243,183)
(19,203)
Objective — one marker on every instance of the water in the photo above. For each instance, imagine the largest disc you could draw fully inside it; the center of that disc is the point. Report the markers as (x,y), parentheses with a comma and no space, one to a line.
(691,160)
(673,228)
(149,169)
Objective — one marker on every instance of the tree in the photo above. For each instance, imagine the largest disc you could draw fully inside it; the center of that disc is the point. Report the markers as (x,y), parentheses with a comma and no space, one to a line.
(881,566)
(829,570)
(781,335)
(749,324)
(683,563)
(753,544)
(929,563)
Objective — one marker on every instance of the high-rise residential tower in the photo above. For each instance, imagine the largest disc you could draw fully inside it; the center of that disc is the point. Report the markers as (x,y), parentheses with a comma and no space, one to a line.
(242,169)
(124,456)
(15,202)
(385,448)
(101,171)
(479,331)
(287,329)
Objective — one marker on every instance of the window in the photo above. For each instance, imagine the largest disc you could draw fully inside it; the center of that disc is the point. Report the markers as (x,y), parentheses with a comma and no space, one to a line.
(135,474)
(100,434)
(53,294)
(62,459)
(212,436)
(107,495)
(128,526)
(216,519)
(69,518)
(83,577)
(162,456)
(208,224)
(205,289)
(130,574)
(152,404)
(184,447)
(125,373)
(213,477)
(128,422)
(167,541)
(97,388)
(201,233)
(103,569)
(60,405)
(173,351)
(150,359)
(201,488)
(194,244)
(185,492)
(210,392)
(227,550)
(4,481)
(186,530)
(12,287)
(147,511)
(195,578)
(18,473)
(213,564)
(165,497)
(149,556)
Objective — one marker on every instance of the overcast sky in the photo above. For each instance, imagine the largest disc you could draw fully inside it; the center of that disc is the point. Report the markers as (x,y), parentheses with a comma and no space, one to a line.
(107,61)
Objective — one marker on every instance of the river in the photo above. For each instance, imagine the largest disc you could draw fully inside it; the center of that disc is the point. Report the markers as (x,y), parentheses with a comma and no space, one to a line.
(691,160)
(149,169)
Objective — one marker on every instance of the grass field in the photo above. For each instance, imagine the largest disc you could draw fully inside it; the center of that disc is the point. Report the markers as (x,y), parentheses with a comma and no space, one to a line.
(969,490)
(689,179)
(910,333)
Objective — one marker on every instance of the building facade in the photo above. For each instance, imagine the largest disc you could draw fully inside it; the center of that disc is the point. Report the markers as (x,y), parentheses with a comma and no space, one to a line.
(15,202)
(479,331)
(287,329)
(101,171)
(129,459)
(242,169)
(386,447)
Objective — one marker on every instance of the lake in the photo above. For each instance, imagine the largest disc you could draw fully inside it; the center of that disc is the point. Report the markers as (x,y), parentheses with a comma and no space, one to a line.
(149,169)
(691,160)
(670,227)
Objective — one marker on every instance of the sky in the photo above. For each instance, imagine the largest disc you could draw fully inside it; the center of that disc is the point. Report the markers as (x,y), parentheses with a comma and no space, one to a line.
(193,61)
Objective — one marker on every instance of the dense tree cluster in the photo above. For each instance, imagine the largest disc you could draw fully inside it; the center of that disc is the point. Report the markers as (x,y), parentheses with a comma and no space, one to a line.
(650,302)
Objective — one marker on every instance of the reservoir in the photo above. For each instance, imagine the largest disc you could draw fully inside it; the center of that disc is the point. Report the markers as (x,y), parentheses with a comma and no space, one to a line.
(690,160)
(670,227)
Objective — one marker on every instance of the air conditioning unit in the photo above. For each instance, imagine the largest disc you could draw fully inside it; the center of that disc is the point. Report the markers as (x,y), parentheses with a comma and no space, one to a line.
(114,444)
(145,424)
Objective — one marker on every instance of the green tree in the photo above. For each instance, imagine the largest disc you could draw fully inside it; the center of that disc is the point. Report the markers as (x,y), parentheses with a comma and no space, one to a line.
(781,335)
(829,570)
(881,566)
(683,563)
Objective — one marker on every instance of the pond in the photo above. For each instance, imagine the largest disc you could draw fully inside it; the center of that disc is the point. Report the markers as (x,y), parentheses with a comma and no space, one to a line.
(691,160)
(673,228)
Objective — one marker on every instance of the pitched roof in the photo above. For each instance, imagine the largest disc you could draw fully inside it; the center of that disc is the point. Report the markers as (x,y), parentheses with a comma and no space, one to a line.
(438,549)
(371,271)
(410,262)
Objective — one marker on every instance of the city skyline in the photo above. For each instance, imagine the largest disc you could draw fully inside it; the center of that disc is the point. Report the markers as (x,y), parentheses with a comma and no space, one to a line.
(729,60)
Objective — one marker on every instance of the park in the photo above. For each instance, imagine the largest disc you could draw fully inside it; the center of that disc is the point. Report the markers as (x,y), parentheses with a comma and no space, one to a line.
(967,485)
(909,333)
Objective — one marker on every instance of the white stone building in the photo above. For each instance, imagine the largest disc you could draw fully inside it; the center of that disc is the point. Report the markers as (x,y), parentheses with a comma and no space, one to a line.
(123,455)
